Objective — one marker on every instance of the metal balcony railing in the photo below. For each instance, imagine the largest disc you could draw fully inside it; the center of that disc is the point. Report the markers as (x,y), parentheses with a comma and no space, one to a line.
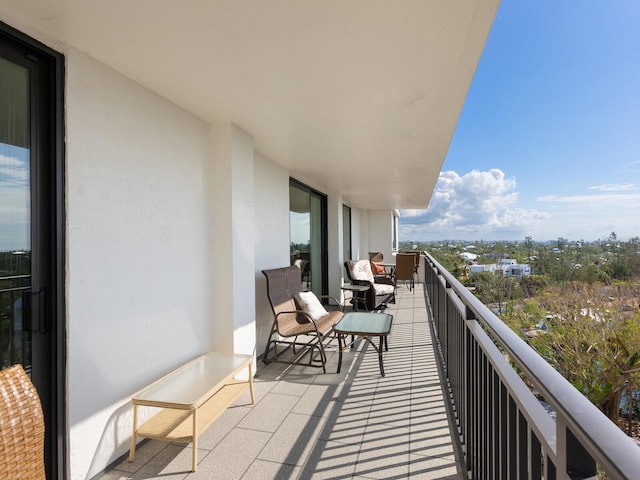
(505,431)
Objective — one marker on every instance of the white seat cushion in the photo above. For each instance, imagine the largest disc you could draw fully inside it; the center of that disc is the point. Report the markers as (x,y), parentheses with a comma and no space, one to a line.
(383,288)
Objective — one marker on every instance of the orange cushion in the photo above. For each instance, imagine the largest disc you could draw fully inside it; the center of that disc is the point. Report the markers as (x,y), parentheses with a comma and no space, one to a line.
(377,269)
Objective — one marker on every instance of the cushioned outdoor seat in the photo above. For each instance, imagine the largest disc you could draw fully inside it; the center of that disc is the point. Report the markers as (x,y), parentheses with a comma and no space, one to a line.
(297,313)
(381,291)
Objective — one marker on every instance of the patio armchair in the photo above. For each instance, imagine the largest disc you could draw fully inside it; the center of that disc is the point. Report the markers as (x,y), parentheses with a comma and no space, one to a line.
(299,318)
(21,427)
(381,289)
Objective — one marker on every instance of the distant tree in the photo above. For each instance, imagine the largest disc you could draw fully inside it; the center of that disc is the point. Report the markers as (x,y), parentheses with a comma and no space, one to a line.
(556,266)
(593,340)
(589,274)
(495,288)
(533,285)
(528,246)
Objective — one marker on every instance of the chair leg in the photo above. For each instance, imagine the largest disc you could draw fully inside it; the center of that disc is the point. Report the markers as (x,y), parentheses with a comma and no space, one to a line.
(323,355)
(265,356)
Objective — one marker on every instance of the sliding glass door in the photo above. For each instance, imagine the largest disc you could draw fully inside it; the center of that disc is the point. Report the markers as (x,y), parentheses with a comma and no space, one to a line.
(308,235)
(31,320)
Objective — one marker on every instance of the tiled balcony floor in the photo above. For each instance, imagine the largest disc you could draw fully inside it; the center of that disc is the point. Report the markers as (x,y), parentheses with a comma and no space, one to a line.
(310,425)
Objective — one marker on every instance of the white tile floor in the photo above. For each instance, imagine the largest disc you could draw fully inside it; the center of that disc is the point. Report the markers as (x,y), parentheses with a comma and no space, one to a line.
(310,425)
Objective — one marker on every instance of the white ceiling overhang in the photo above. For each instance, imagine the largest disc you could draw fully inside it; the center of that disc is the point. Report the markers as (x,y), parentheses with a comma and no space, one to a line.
(356,96)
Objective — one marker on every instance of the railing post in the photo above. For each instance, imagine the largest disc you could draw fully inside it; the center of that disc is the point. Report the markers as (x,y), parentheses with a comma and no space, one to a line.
(468,394)
(574,462)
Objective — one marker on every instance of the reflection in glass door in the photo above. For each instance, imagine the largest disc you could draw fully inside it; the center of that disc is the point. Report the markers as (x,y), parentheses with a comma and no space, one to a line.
(307,230)
(15,216)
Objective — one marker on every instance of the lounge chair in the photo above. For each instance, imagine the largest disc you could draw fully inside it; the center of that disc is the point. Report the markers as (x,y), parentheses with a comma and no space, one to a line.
(299,318)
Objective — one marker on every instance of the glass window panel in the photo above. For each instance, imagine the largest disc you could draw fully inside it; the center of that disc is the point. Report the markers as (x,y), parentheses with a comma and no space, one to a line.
(346,233)
(15,214)
(300,231)
(316,244)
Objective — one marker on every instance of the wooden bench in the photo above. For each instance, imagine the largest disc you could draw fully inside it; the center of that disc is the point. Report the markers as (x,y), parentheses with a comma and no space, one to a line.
(192,397)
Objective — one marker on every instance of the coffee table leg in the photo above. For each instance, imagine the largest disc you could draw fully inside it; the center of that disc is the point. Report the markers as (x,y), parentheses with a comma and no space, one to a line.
(380,356)
(339,352)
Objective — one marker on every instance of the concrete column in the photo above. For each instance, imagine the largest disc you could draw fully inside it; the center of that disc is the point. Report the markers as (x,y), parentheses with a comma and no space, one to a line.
(232,239)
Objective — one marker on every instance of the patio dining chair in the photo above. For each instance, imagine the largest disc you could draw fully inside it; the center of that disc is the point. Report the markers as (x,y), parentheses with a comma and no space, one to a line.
(21,427)
(405,269)
(416,254)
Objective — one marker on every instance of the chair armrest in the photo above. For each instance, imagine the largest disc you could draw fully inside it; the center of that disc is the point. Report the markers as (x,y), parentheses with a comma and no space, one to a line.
(387,280)
(329,297)
(382,276)
(298,312)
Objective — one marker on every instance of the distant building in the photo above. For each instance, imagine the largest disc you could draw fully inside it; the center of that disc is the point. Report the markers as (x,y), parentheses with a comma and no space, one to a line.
(508,266)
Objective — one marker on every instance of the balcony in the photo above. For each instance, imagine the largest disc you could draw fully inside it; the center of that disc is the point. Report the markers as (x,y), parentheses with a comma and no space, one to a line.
(450,406)
(306,424)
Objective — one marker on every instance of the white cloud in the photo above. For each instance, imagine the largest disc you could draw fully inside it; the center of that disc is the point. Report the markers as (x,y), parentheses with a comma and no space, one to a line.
(479,204)
(9,161)
(13,172)
(601,200)
(593,216)
(613,187)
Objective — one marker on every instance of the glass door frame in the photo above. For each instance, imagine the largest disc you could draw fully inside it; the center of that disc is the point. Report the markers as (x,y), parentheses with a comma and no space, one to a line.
(47,201)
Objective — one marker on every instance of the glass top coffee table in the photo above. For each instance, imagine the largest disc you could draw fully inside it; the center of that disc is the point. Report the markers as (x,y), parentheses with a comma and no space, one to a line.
(366,325)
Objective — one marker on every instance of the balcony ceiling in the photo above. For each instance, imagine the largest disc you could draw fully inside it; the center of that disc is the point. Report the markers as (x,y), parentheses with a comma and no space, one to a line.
(358,96)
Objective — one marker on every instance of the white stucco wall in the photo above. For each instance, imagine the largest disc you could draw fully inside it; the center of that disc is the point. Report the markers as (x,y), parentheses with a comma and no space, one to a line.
(359,229)
(138,236)
(334,242)
(271,217)
(380,233)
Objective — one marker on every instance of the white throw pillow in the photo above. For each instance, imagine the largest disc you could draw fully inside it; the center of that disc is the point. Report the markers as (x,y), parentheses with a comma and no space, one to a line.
(309,304)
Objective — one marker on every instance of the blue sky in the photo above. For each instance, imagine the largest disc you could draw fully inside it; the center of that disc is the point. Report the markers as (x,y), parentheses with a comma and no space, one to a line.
(548,142)
(14,198)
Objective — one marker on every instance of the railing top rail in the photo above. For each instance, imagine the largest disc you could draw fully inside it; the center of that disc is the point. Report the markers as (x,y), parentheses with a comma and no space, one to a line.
(609,446)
